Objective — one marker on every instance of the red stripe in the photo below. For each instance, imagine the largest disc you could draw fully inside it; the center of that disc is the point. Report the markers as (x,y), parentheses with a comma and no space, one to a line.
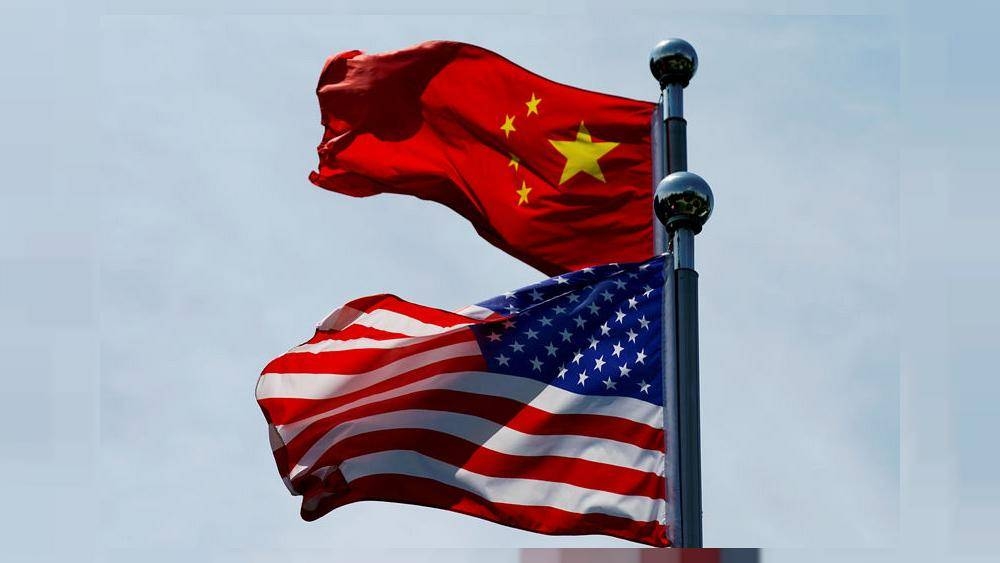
(422,313)
(387,302)
(427,492)
(361,360)
(478,459)
(503,411)
(284,411)
(355,331)
(369,303)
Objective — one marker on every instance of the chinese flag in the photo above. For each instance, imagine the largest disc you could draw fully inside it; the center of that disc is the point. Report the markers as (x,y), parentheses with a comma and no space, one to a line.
(556,176)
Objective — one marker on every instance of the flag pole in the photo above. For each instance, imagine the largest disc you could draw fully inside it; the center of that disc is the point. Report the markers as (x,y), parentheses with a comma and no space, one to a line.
(682,203)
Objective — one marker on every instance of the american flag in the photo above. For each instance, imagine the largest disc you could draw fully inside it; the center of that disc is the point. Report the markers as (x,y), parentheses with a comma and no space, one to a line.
(540,409)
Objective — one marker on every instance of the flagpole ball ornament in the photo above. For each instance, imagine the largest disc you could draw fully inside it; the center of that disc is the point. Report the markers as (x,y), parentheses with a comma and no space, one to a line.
(673,61)
(683,200)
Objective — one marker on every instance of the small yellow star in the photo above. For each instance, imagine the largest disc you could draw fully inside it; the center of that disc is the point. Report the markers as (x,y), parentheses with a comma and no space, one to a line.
(582,155)
(514,161)
(523,192)
(533,104)
(508,125)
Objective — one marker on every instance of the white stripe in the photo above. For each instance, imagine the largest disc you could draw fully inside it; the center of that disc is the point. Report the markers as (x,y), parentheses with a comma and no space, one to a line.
(527,492)
(383,319)
(489,435)
(392,321)
(542,396)
(329,385)
(340,318)
(475,312)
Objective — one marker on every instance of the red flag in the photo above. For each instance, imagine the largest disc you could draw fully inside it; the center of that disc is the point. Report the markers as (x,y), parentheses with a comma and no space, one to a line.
(556,176)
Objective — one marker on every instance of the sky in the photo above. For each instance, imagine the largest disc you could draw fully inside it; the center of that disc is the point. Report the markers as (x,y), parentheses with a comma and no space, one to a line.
(190,249)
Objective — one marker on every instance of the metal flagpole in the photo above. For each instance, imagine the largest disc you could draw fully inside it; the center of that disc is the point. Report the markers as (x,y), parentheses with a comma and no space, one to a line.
(682,202)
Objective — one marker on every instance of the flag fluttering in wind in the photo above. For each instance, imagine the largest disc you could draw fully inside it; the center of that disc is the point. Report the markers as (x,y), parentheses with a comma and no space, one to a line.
(541,409)
(554,175)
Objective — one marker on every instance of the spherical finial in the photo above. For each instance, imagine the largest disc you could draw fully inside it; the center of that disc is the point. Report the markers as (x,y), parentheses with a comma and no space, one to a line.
(683,200)
(673,61)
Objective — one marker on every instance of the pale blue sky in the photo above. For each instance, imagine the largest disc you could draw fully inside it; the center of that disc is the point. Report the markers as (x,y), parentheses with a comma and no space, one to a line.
(200,251)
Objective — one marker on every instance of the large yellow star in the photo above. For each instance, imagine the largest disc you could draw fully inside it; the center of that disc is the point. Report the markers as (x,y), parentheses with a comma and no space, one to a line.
(582,154)
(508,125)
(533,104)
(523,193)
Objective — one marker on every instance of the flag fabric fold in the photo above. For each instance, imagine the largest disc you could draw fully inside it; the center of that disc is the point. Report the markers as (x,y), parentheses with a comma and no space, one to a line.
(539,409)
(554,175)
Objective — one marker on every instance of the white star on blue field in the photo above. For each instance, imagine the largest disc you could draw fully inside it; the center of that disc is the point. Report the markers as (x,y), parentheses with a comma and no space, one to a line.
(595,331)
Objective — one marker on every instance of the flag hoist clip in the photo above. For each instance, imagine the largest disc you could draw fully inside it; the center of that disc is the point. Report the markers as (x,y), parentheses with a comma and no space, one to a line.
(682,203)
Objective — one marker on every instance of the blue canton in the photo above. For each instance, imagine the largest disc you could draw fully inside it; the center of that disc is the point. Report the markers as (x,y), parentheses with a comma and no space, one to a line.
(596,331)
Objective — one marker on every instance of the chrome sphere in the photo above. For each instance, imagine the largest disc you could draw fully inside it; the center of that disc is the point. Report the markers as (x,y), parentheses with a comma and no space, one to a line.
(683,200)
(673,61)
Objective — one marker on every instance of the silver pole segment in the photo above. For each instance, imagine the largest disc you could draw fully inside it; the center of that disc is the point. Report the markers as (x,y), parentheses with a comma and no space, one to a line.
(676,128)
(688,401)
(682,240)
(673,95)
(683,243)
(682,202)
